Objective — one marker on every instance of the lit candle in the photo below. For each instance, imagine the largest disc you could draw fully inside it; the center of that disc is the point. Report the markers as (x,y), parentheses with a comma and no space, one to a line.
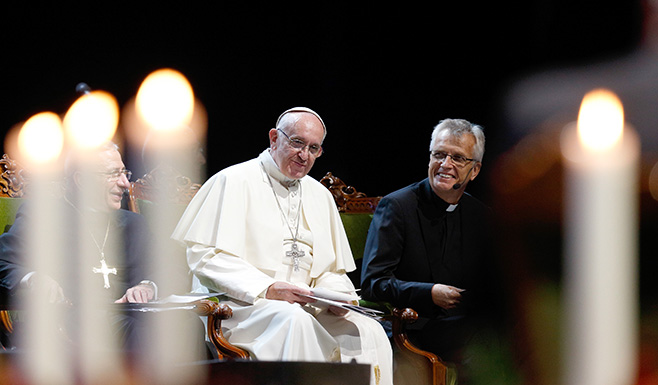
(90,122)
(165,104)
(601,156)
(165,100)
(39,142)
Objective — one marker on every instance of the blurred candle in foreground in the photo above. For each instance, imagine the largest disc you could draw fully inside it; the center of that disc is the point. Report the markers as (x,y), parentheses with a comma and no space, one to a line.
(40,141)
(92,119)
(90,122)
(165,100)
(165,103)
(601,157)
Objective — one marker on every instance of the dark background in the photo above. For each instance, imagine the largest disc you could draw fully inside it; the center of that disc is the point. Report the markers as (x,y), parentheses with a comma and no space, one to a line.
(381,76)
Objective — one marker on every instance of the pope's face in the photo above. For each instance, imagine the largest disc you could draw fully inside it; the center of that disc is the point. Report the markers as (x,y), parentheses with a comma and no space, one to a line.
(296,163)
(444,174)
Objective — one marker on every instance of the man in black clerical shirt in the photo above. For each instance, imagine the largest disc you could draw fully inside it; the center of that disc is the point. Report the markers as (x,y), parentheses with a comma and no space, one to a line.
(96,242)
(427,245)
(119,237)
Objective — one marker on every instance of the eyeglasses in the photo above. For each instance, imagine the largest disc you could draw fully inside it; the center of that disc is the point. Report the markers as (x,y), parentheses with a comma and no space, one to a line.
(457,160)
(298,144)
(115,175)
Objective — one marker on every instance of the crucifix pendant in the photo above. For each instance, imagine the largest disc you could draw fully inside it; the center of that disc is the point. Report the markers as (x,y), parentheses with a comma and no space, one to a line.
(106,271)
(295,254)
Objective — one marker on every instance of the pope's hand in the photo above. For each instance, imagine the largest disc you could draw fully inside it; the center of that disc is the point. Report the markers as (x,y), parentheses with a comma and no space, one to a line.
(285,291)
(138,294)
(446,296)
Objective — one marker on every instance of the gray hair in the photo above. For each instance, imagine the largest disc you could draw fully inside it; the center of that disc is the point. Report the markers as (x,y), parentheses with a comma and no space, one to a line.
(73,159)
(459,127)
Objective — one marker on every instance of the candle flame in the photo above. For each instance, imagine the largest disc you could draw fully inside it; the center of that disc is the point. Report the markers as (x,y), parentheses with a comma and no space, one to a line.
(165,100)
(41,138)
(92,119)
(600,120)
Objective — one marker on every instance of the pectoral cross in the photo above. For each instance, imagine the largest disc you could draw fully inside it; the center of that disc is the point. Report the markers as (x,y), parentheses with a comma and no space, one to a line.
(106,271)
(295,254)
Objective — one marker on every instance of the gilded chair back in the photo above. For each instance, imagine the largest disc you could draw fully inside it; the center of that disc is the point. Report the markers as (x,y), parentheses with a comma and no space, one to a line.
(13,187)
(413,365)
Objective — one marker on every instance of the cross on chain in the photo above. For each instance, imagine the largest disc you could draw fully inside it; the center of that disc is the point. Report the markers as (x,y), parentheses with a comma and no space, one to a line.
(295,254)
(106,271)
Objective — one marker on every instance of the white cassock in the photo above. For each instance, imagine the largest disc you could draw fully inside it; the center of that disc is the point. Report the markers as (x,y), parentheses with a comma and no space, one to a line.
(237,238)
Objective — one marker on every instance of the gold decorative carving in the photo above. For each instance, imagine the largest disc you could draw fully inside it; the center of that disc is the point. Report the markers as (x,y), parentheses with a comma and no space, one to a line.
(348,199)
(12,180)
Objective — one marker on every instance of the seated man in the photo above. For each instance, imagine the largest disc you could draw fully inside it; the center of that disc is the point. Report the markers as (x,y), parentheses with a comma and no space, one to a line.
(103,245)
(427,245)
(116,227)
(267,234)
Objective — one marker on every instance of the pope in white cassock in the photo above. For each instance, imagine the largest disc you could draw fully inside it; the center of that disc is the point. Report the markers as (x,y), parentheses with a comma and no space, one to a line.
(267,234)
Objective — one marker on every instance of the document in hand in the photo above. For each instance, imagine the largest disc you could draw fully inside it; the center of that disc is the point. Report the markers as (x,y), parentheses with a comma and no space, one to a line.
(328,297)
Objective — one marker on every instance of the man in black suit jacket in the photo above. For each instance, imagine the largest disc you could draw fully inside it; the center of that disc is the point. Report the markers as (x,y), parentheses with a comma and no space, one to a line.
(427,245)
(96,242)
(118,238)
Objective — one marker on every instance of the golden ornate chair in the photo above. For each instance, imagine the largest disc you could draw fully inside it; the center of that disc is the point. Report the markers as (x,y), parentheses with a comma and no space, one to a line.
(166,187)
(12,180)
(12,190)
(412,365)
(162,184)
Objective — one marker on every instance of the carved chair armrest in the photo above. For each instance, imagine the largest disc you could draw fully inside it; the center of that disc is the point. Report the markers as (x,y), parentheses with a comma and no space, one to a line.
(216,312)
(6,321)
(437,370)
(401,317)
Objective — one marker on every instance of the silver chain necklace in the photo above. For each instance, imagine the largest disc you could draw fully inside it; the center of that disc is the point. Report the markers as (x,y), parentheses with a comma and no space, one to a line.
(104,268)
(294,251)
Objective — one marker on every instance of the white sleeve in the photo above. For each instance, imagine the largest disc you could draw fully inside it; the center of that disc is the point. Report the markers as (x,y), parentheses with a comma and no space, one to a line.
(224,272)
(339,282)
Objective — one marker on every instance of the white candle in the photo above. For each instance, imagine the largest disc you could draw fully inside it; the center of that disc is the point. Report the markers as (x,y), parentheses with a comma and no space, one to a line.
(40,143)
(600,251)
(165,103)
(90,122)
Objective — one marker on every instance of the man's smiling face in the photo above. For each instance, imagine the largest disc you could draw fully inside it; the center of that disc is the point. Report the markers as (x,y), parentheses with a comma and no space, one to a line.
(444,174)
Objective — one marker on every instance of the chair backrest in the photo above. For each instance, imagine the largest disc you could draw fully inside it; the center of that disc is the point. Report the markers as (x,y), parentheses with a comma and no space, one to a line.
(12,191)
(347,198)
(13,186)
(356,210)
(165,190)
(414,366)
(163,184)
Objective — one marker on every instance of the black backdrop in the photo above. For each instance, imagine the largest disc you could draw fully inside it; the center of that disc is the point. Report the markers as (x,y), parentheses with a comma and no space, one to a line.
(380,75)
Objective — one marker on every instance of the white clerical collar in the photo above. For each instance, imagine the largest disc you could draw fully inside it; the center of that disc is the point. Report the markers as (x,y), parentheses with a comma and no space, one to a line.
(451,208)
(273,170)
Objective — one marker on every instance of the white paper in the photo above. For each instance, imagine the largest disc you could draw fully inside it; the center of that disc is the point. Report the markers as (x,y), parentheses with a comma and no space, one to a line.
(324,302)
(322,292)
